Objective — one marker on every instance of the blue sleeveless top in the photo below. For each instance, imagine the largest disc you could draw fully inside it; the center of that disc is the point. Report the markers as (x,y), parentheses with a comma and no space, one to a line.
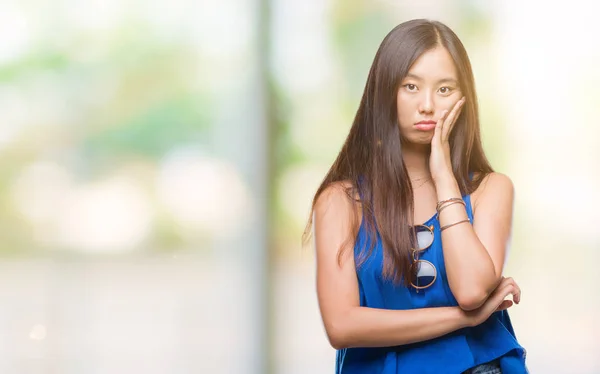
(452,353)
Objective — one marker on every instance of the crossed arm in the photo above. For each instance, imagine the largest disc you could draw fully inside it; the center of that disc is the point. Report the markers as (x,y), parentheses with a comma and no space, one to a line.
(474,255)
(348,324)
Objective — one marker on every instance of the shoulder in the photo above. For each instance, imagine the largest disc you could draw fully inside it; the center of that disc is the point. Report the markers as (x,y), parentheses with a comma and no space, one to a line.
(496,182)
(494,188)
(337,197)
(335,218)
(338,205)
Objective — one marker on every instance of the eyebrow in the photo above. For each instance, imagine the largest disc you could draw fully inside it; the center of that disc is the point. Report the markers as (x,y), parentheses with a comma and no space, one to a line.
(443,80)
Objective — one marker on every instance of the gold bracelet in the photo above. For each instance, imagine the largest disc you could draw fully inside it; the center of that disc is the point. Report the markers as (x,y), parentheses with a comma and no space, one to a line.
(440,203)
(451,203)
(454,224)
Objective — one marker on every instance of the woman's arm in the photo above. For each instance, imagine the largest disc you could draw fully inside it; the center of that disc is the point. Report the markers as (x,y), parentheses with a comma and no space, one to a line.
(474,255)
(347,324)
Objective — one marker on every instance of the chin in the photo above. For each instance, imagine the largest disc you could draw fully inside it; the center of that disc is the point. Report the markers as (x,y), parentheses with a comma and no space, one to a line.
(420,139)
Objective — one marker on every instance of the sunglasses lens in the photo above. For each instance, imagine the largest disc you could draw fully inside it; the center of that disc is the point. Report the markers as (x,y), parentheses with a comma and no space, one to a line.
(424,237)
(423,274)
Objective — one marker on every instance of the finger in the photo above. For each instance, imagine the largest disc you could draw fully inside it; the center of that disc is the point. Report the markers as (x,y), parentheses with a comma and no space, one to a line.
(505,291)
(443,117)
(513,290)
(517,296)
(438,126)
(504,305)
(448,124)
(517,290)
(504,282)
(451,118)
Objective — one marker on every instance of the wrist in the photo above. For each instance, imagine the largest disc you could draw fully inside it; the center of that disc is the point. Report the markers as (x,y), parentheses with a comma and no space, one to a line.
(446,187)
(466,318)
(443,177)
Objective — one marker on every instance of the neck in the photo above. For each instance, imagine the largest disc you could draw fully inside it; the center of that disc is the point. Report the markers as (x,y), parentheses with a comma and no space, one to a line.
(416,159)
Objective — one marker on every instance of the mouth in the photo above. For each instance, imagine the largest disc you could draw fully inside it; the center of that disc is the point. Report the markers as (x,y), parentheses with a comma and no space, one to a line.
(425,125)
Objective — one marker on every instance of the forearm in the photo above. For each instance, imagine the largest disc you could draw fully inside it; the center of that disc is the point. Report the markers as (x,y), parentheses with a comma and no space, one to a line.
(470,269)
(370,327)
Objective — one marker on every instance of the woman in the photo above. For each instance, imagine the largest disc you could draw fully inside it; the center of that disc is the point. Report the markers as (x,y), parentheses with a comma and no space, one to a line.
(412,175)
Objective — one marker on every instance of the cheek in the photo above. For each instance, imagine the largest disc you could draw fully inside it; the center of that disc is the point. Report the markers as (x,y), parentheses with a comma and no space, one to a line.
(449,101)
(404,116)
(406,107)
(404,98)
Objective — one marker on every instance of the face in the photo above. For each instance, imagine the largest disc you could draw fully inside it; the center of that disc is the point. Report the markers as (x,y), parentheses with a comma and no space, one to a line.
(429,88)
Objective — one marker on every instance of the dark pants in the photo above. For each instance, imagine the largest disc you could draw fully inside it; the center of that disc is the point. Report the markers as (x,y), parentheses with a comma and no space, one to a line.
(488,368)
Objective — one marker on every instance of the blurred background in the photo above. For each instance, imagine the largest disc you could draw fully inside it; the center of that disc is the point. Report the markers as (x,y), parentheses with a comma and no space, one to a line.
(158,160)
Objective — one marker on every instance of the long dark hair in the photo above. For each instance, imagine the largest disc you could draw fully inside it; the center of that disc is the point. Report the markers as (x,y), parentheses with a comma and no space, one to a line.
(370,161)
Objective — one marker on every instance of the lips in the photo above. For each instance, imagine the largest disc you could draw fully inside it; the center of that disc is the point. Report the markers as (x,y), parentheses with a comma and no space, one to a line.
(425,125)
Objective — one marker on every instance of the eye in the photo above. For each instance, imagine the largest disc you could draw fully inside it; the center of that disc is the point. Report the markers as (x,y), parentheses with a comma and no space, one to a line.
(445,90)
(410,87)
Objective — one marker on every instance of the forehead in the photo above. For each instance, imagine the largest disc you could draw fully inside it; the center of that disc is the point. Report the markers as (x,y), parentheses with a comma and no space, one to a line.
(434,64)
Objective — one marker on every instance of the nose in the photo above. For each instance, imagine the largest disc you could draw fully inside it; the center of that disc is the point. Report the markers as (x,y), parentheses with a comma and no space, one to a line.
(426,104)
